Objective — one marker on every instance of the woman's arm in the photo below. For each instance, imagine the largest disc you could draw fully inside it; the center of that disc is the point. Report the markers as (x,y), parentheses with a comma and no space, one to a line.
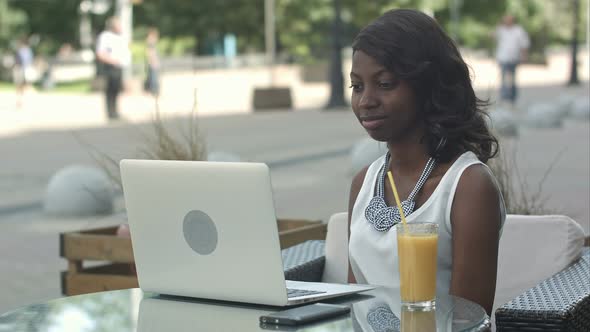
(355,187)
(476,221)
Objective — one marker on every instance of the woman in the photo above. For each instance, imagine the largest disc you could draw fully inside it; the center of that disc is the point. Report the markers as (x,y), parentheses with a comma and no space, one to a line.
(411,89)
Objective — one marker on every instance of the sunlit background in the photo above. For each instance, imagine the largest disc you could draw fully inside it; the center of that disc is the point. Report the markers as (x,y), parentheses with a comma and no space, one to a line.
(252,80)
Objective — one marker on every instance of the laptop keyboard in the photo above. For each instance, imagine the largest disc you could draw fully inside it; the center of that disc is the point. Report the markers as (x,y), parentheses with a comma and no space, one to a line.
(301,292)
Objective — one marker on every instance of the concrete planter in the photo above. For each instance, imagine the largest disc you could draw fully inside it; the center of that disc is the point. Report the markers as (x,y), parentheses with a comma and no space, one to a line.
(544,116)
(79,190)
(503,122)
(272,98)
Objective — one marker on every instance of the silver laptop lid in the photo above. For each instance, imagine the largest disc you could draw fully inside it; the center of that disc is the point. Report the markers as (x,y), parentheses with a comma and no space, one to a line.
(204,229)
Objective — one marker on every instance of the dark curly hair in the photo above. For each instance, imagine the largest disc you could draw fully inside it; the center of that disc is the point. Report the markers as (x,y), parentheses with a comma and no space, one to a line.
(414,47)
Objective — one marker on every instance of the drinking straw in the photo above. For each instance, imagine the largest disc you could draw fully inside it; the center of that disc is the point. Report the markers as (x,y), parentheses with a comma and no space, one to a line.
(397,201)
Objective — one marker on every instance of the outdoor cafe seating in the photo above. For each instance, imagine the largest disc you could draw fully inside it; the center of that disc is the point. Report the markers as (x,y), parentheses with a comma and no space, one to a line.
(543,280)
(543,271)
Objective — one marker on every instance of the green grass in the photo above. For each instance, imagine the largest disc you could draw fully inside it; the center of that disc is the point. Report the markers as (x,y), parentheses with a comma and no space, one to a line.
(6,86)
(79,86)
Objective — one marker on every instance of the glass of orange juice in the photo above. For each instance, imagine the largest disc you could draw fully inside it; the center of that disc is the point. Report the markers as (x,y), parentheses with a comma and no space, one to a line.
(416,248)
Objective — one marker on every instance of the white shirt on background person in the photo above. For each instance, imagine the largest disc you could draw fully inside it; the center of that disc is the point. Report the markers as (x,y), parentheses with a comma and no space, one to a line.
(115,45)
(511,40)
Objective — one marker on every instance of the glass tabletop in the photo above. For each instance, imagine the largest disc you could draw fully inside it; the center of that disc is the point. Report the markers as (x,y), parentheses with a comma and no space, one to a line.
(133,310)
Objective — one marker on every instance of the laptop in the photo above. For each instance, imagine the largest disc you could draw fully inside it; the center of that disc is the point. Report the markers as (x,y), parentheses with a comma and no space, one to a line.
(208,230)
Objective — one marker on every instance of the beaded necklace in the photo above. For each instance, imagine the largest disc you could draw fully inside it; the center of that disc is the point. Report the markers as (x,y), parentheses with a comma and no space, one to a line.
(383,217)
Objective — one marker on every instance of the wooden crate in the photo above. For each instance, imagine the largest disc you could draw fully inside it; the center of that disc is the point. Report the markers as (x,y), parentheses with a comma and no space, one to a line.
(293,231)
(102,246)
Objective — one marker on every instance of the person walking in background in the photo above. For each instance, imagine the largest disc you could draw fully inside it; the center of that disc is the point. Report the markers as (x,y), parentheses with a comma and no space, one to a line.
(23,69)
(152,81)
(112,54)
(511,49)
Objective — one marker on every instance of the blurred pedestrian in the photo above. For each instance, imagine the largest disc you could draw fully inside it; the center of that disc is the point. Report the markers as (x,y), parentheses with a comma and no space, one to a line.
(65,51)
(23,70)
(152,81)
(112,54)
(511,49)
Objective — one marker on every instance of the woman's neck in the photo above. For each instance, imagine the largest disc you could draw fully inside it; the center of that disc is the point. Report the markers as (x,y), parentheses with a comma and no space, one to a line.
(408,156)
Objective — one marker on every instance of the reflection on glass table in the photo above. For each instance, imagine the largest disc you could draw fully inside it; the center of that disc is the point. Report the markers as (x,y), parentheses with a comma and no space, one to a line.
(104,311)
(132,310)
(384,312)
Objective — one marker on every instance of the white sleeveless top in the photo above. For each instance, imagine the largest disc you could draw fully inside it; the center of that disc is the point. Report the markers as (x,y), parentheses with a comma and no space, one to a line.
(373,254)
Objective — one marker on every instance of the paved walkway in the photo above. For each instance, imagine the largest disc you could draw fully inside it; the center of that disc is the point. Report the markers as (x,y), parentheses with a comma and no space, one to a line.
(307,150)
(219,92)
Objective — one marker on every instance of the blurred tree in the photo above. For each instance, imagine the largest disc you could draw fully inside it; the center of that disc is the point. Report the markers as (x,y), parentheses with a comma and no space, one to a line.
(477,19)
(206,20)
(336,77)
(12,24)
(575,10)
(303,26)
(55,22)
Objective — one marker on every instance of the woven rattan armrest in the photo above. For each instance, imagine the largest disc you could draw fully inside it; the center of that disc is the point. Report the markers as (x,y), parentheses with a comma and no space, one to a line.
(305,261)
(559,303)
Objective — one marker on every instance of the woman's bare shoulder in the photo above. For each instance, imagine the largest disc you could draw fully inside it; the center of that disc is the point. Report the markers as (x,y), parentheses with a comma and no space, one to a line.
(478,196)
(478,177)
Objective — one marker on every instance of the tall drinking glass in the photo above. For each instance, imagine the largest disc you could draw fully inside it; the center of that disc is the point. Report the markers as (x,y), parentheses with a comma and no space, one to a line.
(416,247)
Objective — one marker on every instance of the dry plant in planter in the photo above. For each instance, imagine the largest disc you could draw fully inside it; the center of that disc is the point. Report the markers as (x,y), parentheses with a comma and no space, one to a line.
(160,143)
(517,192)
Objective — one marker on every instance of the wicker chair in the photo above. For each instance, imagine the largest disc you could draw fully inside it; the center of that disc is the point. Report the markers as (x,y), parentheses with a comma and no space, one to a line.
(304,261)
(559,303)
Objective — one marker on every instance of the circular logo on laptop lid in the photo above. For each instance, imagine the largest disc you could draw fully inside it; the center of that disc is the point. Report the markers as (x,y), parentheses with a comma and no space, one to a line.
(200,232)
